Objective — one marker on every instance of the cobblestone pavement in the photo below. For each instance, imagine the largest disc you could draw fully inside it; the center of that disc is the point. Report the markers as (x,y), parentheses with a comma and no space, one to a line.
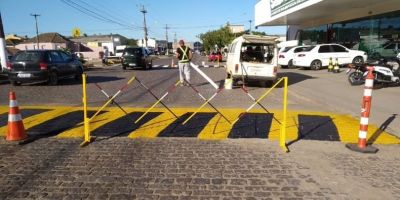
(182,168)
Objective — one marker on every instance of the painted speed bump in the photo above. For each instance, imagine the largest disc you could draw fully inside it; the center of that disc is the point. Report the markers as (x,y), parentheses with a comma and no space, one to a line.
(208,125)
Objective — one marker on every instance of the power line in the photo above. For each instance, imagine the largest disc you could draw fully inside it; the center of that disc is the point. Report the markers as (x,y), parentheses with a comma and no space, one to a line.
(107,12)
(94,14)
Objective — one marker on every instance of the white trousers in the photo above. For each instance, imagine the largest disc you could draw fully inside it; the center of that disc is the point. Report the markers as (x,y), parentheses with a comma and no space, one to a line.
(184,72)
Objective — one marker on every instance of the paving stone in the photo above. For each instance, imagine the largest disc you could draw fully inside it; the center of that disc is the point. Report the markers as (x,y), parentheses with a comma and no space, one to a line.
(183,168)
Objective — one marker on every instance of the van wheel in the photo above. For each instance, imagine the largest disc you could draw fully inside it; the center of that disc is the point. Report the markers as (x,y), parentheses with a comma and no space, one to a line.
(266,84)
(53,78)
(15,83)
(316,65)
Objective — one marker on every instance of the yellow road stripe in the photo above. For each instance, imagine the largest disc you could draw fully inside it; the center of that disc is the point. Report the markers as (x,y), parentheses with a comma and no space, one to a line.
(218,128)
(152,128)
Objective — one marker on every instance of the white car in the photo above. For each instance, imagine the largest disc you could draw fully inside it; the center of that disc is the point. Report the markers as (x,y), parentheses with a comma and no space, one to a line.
(285,58)
(317,56)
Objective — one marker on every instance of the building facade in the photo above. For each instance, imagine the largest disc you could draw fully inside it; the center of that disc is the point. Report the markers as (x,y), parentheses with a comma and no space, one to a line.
(369,25)
(46,41)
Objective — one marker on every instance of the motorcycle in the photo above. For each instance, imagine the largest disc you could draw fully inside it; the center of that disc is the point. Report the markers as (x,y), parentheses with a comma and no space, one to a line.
(385,72)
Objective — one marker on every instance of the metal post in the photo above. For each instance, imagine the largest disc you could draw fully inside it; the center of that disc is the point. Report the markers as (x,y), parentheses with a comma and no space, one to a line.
(85,117)
(282,138)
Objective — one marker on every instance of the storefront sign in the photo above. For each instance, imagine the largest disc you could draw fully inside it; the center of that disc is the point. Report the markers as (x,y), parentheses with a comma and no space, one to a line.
(278,6)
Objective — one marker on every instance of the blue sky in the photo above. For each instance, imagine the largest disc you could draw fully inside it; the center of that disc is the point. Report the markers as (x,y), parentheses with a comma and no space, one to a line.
(187,18)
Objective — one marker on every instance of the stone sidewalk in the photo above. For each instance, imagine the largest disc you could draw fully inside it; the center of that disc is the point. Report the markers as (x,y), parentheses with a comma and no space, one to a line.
(183,168)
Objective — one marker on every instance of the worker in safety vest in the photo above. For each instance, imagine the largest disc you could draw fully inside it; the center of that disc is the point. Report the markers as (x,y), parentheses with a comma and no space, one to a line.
(184,55)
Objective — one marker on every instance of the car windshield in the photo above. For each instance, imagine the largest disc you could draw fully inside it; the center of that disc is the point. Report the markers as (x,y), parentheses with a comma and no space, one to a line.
(133,51)
(257,52)
(28,56)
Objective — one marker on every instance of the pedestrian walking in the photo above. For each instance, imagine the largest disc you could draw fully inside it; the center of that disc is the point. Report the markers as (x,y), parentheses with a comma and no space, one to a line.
(184,56)
(105,56)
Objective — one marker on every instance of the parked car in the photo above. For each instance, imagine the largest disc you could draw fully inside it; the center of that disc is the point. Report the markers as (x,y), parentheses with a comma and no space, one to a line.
(253,57)
(285,58)
(43,65)
(137,57)
(317,56)
(214,56)
(389,50)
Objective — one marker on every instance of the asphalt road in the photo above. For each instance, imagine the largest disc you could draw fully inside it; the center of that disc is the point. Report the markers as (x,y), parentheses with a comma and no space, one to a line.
(308,91)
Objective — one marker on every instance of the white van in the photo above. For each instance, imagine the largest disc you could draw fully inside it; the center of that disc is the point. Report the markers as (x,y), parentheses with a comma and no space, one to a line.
(253,57)
(119,50)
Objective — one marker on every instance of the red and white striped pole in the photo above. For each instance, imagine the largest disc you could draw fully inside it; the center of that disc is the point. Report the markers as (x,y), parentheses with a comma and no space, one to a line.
(365,111)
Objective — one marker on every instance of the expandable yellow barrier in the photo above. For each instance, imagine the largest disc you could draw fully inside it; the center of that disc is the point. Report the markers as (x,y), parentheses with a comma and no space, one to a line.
(87,137)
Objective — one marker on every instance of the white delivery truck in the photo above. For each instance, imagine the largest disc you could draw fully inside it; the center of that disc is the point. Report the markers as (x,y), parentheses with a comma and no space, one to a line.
(119,50)
(253,57)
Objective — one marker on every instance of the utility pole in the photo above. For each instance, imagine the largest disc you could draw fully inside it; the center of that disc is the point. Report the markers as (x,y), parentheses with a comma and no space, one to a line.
(37,30)
(175,41)
(250,27)
(3,51)
(166,36)
(144,11)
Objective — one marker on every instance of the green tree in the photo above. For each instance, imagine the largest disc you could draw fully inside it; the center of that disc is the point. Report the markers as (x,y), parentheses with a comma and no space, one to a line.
(132,42)
(221,37)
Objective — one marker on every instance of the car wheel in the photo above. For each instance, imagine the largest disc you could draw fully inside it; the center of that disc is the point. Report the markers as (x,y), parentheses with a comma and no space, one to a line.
(124,67)
(78,74)
(316,65)
(284,66)
(15,83)
(290,64)
(358,60)
(53,78)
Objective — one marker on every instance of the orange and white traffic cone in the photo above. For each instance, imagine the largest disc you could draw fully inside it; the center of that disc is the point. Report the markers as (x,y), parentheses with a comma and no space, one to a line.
(365,110)
(15,128)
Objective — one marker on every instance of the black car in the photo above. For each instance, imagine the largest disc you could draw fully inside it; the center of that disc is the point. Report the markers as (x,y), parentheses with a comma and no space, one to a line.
(43,65)
(137,57)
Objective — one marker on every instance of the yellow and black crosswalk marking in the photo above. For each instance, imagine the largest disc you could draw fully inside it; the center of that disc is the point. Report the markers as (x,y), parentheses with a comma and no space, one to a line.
(67,122)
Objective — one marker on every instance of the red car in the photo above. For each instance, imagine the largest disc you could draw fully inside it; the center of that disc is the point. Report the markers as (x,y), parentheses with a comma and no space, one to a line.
(214,56)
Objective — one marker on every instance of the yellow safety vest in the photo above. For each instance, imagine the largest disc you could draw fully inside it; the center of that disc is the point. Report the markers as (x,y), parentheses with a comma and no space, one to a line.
(185,57)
